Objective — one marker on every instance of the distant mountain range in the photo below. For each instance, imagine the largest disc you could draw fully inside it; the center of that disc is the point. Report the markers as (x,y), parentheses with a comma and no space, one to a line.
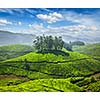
(7,38)
(86,39)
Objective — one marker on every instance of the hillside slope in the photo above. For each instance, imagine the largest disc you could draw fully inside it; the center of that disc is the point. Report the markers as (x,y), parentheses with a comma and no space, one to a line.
(15,50)
(73,65)
(49,72)
(46,85)
(91,49)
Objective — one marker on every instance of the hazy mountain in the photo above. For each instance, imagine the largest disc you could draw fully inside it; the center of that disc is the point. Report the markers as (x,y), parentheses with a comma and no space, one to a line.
(7,38)
(84,38)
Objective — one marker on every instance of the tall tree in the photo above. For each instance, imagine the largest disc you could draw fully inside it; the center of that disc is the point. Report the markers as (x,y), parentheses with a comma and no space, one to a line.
(56,43)
(48,43)
(61,43)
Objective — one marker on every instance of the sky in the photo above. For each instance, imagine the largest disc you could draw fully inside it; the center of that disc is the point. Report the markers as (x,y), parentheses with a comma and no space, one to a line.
(75,22)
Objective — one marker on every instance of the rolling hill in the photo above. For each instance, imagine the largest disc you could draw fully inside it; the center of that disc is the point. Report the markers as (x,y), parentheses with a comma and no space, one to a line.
(73,65)
(15,50)
(91,49)
(49,72)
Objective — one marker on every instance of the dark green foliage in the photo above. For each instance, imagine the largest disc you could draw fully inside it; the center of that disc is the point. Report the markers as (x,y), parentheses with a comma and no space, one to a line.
(78,43)
(76,79)
(56,52)
(11,82)
(27,66)
(94,87)
(84,82)
(70,45)
(48,43)
(93,79)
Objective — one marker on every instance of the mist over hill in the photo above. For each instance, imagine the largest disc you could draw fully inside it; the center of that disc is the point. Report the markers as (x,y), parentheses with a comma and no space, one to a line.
(7,38)
(86,39)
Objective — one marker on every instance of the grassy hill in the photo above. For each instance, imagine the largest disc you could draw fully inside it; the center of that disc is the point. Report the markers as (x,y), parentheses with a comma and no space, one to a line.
(91,49)
(49,72)
(12,51)
(73,65)
(47,85)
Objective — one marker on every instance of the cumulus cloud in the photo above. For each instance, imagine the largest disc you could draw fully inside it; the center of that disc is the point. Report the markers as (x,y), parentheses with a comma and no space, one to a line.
(73,24)
(51,17)
(69,33)
(83,19)
(4,22)
(40,29)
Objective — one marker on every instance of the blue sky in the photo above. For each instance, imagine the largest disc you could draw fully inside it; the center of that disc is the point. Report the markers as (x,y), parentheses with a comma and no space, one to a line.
(57,21)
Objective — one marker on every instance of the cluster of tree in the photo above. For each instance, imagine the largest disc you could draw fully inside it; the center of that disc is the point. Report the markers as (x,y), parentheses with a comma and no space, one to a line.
(47,43)
(79,43)
(69,45)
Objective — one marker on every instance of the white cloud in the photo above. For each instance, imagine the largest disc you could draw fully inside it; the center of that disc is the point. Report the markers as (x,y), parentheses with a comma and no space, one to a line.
(74,32)
(36,29)
(83,19)
(19,23)
(83,25)
(51,17)
(4,22)
(40,29)
(55,14)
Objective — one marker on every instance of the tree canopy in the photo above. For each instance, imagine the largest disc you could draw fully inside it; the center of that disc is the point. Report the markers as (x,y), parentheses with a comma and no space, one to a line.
(78,43)
(47,43)
(69,45)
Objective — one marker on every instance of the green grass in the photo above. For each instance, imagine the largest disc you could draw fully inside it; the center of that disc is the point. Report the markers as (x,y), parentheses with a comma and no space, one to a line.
(51,85)
(12,51)
(11,82)
(73,65)
(50,57)
(22,72)
(49,72)
(91,49)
